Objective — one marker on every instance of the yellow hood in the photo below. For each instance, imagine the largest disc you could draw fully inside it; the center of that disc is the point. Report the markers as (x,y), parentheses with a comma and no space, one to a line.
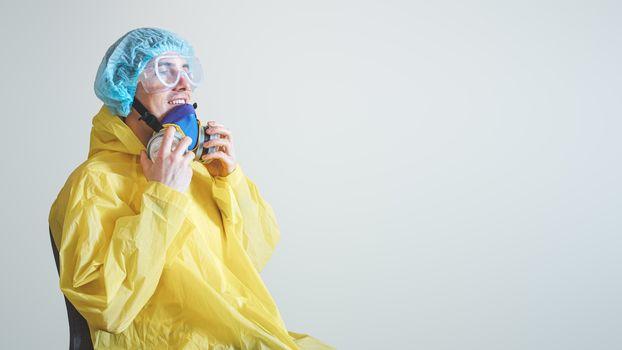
(110,133)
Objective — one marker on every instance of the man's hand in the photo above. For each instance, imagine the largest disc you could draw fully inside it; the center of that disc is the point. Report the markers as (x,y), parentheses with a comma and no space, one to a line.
(171,167)
(222,162)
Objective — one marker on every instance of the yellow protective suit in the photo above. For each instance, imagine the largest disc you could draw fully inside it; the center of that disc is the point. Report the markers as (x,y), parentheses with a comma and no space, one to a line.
(152,268)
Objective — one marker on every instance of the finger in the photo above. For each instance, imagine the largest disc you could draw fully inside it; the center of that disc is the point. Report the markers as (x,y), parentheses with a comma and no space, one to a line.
(218,130)
(218,155)
(167,141)
(218,143)
(188,158)
(182,146)
(145,163)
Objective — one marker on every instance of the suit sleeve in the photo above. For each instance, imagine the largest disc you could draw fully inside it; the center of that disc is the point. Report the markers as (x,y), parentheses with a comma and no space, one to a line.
(237,195)
(111,258)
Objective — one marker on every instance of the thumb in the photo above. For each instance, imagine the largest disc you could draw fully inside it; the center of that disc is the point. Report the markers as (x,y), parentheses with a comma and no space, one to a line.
(145,163)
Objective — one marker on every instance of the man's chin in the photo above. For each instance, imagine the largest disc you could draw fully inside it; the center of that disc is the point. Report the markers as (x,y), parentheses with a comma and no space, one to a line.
(169,107)
(166,110)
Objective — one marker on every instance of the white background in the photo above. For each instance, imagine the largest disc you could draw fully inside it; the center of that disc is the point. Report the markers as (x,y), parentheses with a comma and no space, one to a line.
(446,174)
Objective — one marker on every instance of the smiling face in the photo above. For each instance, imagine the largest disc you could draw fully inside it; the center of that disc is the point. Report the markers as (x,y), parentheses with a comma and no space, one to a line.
(160,102)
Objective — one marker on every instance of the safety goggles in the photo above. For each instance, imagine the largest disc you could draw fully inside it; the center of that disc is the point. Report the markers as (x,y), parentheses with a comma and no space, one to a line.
(163,72)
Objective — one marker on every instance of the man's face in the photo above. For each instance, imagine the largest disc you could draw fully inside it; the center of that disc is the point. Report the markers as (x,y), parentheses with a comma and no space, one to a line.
(159,103)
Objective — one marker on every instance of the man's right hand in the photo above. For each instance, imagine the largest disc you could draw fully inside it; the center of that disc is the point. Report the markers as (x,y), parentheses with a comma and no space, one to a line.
(171,167)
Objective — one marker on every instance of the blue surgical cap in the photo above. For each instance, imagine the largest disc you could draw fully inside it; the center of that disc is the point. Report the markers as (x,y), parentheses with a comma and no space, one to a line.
(117,76)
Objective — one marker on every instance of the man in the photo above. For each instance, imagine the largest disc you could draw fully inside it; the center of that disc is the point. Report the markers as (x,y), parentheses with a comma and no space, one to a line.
(163,252)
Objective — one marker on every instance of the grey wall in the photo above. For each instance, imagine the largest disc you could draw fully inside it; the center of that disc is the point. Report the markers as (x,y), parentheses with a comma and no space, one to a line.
(446,174)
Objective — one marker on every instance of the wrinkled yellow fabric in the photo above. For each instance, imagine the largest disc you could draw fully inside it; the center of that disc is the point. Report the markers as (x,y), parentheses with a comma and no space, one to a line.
(152,268)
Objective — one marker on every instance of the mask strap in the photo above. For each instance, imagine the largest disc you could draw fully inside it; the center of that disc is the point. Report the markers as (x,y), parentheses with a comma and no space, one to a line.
(147,117)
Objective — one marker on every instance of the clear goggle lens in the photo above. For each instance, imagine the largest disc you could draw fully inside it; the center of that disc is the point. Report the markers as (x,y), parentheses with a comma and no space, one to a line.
(165,71)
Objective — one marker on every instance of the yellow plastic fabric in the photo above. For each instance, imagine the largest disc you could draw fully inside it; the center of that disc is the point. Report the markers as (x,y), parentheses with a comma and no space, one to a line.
(152,268)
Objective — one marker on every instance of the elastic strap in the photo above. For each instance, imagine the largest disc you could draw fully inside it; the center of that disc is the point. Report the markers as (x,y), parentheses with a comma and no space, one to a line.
(147,117)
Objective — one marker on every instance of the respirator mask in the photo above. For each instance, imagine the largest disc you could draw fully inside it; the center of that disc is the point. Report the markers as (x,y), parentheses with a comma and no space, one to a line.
(161,74)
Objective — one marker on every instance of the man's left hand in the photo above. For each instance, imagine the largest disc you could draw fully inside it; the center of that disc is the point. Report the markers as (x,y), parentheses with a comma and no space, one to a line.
(223,161)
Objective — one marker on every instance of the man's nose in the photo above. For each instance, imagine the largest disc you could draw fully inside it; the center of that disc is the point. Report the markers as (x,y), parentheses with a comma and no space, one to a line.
(183,83)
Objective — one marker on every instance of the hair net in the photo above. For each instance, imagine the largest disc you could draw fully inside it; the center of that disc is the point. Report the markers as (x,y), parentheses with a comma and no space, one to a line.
(117,76)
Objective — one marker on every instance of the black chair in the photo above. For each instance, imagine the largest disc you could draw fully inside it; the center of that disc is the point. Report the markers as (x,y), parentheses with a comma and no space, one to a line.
(79,335)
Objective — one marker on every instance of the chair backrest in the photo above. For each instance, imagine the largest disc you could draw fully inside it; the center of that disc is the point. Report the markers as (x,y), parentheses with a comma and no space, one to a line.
(79,335)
